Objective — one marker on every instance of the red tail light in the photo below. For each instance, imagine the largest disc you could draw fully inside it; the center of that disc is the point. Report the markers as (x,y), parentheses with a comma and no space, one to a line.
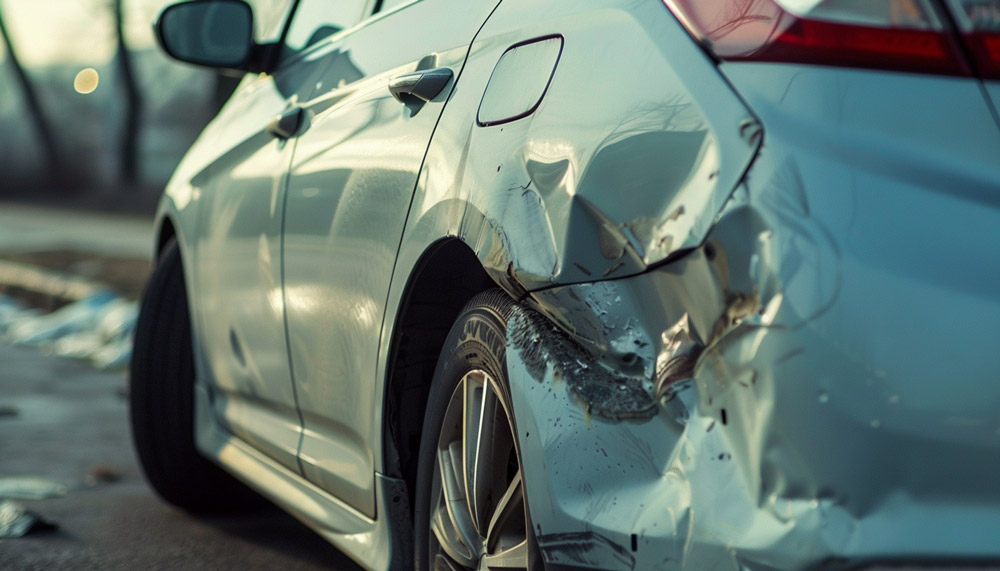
(979,23)
(985,49)
(902,35)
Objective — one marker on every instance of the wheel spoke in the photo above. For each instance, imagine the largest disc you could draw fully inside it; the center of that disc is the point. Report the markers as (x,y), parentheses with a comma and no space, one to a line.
(480,518)
(514,557)
(507,522)
(442,563)
(478,432)
(452,521)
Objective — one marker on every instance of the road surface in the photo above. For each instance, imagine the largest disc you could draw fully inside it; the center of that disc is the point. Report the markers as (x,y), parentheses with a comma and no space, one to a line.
(66,423)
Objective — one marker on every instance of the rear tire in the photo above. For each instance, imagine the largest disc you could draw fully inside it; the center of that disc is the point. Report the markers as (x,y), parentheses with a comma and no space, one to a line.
(161,399)
(471,506)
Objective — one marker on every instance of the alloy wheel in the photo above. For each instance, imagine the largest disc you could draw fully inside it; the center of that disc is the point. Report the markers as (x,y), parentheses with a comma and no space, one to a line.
(478,511)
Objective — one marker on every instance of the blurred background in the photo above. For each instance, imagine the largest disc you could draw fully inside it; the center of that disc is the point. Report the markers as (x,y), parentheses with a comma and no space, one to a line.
(93,119)
(91,112)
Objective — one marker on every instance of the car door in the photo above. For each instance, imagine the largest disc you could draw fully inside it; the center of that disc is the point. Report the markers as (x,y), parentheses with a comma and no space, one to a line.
(239,285)
(349,191)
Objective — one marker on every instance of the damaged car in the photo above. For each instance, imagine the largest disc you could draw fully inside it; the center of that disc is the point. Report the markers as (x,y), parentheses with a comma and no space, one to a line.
(587,284)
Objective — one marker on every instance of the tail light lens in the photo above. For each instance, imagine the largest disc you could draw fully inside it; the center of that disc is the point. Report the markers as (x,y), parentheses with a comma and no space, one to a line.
(903,35)
(979,23)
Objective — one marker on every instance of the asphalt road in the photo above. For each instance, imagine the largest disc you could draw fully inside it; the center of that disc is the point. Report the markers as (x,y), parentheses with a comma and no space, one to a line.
(66,423)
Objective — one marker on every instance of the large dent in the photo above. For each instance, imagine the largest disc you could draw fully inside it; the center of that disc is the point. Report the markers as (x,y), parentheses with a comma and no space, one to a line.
(597,182)
(770,444)
(644,190)
(759,427)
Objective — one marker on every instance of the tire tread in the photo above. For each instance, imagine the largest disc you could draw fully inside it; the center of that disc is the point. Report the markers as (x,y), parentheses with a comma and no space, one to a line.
(161,400)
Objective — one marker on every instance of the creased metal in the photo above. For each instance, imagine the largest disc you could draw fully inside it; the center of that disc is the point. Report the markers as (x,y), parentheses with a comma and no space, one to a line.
(774,443)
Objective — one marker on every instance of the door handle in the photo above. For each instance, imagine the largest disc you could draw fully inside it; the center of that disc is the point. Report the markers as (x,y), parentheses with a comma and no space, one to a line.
(421,86)
(286,125)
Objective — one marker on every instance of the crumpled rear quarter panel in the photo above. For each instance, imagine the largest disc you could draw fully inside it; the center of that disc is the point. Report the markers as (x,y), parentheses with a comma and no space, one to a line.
(815,385)
(635,147)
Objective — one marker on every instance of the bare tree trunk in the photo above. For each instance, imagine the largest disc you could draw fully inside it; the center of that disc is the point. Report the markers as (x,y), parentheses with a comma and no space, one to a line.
(129,144)
(35,111)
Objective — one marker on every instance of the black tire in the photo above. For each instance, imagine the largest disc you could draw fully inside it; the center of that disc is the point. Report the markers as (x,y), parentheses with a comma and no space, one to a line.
(161,398)
(472,363)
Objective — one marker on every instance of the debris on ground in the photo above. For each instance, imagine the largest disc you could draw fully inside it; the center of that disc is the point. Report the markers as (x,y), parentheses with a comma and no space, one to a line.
(12,311)
(73,318)
(98,328)
(30,488)
(17,521)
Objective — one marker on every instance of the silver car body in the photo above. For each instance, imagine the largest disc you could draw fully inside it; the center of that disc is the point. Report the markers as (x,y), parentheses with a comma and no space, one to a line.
(759,321)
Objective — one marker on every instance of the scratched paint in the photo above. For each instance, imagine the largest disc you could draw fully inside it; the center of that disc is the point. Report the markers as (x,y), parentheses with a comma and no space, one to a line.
(776,442)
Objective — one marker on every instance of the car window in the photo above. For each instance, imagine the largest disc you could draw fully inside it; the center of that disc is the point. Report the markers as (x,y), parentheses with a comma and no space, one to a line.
(315,20)
(269,18)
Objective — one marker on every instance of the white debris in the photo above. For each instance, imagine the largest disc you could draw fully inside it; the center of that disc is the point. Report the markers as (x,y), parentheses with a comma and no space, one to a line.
(16,520)
(98,328)
(30,488)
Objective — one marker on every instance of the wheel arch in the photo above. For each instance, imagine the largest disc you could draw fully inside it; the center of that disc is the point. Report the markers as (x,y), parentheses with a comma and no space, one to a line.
(445,278)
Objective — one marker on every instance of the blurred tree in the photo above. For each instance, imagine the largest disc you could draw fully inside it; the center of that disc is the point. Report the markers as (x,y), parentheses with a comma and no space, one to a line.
(129,144)
(35,112)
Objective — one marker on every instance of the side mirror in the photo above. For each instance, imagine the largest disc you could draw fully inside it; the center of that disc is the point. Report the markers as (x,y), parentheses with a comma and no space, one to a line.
(213,33)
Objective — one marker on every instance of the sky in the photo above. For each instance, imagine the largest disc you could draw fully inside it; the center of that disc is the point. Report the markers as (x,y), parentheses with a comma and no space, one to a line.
(75,32)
